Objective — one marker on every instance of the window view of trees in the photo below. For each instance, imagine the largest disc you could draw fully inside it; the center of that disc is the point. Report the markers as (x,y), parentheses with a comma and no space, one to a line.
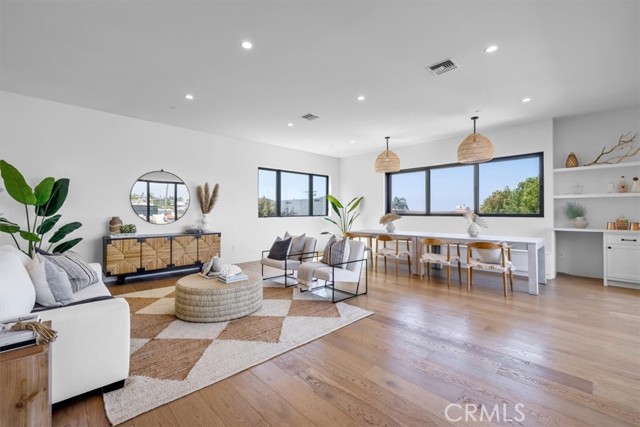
(284,193)
(508,186)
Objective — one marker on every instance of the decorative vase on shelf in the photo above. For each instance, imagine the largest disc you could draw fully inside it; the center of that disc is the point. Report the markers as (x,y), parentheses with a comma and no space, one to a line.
(115,225)
(473,229)
(635,185)
(622,185)
(205,225)
(391,227)
(572,161)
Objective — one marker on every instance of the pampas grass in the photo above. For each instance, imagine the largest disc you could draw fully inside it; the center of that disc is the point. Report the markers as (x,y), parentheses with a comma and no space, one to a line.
(207,198)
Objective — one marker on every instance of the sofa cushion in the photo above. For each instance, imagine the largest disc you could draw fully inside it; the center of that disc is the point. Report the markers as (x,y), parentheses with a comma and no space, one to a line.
(17,296)
(336,252)
(80,273)
(52,286)
(297,245)
(280,249)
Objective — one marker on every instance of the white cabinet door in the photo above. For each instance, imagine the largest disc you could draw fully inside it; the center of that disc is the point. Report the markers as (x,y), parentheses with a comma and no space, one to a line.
(623,262)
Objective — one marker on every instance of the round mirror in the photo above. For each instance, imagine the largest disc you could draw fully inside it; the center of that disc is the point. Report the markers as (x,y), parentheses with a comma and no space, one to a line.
(159,197)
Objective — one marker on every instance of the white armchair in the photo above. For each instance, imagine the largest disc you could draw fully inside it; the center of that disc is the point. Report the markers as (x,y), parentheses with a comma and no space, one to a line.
(292,262)
(349,271)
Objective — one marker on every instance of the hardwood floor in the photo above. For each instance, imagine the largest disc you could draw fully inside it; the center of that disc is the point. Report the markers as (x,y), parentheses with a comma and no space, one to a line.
(568,357)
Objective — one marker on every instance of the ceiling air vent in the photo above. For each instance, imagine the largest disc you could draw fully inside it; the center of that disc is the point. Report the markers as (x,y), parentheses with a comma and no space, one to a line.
(310,117)
(442,67)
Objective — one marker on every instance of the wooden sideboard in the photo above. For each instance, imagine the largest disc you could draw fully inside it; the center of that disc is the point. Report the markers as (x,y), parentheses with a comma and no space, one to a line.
(129,256)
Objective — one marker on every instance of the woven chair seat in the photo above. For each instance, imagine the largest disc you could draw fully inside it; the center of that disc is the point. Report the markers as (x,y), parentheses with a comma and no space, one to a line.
(474,263)
(439,258)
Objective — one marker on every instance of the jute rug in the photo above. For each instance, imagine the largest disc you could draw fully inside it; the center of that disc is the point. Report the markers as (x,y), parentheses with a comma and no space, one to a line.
(171,358)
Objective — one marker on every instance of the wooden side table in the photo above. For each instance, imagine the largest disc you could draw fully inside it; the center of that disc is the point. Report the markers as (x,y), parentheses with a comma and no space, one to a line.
(25,393)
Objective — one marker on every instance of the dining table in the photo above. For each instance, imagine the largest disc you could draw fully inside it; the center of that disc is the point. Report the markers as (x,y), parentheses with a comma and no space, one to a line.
(533,246)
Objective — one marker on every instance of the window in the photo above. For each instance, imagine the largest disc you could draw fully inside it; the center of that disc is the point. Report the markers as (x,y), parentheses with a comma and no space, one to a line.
(506,186)
(286,193)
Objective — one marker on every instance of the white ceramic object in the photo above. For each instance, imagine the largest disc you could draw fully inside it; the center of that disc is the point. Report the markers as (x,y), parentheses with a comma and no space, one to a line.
(473,230)
(580,222)
(391,227)
(205,225)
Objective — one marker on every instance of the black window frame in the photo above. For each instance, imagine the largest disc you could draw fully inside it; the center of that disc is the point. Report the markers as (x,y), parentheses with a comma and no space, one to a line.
(278,200)
(476,187)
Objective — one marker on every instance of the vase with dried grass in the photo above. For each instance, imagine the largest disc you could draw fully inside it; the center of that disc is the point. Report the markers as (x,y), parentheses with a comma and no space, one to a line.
(207,199)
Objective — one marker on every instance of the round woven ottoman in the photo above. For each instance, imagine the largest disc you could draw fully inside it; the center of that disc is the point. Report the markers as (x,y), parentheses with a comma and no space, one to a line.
(210,300)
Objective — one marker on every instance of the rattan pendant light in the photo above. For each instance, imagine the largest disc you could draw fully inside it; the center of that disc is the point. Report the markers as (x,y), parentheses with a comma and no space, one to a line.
(387,161)
(475,148)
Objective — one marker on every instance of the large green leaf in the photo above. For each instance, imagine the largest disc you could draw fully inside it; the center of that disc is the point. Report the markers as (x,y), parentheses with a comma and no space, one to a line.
(16,185)
(63,231)
(7,226)
(29,236)
(43,191)
(58,196)
(334,202)
(63,247)
(47,224)
(356,201)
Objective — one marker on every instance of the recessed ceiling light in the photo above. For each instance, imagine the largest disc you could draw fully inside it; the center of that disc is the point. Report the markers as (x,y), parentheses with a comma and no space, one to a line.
(246,44)
(491,49)
(352,141)
(525,100)
(361,98)
(189,97)
(290,124)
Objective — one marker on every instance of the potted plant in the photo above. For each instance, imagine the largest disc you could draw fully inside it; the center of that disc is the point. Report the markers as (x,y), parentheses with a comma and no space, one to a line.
(346,214)
(46,198)
(576,213)
(387,221)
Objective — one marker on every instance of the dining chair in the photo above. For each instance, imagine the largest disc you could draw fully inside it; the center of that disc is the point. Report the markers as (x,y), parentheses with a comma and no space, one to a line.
(393,251)
(430,255)
(490,256)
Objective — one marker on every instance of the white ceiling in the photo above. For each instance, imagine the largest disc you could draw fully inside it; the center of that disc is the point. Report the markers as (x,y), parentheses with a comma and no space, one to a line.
(139,58)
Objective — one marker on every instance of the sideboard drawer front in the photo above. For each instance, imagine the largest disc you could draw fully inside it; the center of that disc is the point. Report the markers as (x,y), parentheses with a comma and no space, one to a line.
(623,239)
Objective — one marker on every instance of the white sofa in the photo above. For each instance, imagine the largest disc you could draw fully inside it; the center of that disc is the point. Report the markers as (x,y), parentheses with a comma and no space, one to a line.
(92,348)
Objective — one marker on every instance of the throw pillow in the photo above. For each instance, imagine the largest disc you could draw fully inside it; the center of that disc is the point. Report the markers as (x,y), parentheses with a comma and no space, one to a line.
(297,245)
(337,252)
(79,272)
(280,249)
(489,256)
(51,283)
(325,254)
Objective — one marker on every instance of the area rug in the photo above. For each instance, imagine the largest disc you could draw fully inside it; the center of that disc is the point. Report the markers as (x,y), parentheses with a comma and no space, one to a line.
(171,358)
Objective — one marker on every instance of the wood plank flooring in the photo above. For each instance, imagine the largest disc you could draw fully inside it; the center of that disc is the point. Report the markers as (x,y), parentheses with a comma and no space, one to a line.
(568,357)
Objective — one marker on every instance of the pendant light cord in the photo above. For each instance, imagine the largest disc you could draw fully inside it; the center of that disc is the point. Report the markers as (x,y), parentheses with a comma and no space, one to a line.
(387,138)
(474,118)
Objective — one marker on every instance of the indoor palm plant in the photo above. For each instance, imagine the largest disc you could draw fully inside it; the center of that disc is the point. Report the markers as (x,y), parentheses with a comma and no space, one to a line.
(346,213)
(46,199)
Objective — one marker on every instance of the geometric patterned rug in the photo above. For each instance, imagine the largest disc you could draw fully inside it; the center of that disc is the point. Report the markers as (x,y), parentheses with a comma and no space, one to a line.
(171,358)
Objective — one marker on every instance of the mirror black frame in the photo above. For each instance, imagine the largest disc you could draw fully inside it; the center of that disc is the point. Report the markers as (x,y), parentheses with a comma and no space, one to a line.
(147,214)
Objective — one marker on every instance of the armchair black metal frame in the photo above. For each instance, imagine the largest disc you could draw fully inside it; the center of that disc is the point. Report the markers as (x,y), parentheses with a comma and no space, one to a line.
(303,256)
(331,284)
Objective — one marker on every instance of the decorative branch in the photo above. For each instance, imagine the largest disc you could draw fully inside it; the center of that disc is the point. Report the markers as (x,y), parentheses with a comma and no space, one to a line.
(624,143)
(206,198)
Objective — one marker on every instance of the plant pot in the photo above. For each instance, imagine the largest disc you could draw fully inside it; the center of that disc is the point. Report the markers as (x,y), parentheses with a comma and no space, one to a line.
(580,222)
(391,227)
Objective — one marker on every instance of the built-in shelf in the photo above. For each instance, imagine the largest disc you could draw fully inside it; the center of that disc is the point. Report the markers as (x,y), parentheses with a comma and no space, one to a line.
(597,167)
(594,230)
(595,196)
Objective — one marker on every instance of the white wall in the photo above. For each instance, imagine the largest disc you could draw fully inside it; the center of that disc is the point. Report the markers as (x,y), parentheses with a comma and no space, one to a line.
(359,178)
(581,253)
(104,154)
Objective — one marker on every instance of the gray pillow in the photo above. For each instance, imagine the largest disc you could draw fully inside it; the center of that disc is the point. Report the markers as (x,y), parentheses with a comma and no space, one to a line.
(80,273)
(336,252)
(58,283)
(325,255)
(279,249)
(297,245)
